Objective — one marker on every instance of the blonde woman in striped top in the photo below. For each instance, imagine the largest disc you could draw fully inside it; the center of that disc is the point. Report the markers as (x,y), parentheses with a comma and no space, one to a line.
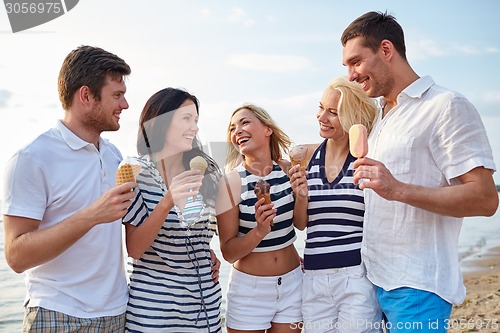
(337,296)
(264,292)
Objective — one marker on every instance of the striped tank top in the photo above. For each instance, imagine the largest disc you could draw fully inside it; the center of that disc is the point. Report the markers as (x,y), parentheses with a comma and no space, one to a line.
(336,210)
(171,285)
(282,233)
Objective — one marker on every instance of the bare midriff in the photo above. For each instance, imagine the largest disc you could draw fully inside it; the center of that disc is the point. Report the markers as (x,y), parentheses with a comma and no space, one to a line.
(270,263)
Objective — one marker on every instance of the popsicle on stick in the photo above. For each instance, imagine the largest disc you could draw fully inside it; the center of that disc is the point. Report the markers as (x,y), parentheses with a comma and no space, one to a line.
(298,156)
(358,140)
(262,190)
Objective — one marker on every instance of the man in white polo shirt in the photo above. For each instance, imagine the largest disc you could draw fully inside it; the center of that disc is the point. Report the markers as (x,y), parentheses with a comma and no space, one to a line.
(62,211)
(429,164)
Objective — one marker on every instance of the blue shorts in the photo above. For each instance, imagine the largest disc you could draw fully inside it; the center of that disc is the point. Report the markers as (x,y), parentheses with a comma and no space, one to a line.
(414,310)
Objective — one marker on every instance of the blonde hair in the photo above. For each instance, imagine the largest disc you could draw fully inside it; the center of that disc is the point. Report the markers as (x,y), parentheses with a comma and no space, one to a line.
(355,107)
(278,144)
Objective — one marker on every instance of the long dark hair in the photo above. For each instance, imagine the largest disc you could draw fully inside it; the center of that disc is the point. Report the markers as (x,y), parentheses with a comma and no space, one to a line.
(151,135)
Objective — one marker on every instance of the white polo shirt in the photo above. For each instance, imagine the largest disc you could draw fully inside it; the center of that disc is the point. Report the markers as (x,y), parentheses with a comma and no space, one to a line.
(430,137)
(51,179)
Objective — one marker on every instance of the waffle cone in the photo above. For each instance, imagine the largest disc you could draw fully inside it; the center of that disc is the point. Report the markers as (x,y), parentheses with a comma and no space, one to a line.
(302,163)
(127,173)
(267,200)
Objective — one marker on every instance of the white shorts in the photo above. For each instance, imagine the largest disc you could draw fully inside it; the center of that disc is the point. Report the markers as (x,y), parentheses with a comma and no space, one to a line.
(254,302)
(340,300)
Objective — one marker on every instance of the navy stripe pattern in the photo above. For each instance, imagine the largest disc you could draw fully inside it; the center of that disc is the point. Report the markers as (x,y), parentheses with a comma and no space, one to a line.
(282,233)
(171,286)
(336,210)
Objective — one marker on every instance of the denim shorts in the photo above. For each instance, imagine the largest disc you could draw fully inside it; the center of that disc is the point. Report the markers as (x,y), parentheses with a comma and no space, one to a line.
(413,310)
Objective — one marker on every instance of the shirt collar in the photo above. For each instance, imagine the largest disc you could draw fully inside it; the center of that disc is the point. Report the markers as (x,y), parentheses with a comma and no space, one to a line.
(414,90)
(73,141)
(419,87)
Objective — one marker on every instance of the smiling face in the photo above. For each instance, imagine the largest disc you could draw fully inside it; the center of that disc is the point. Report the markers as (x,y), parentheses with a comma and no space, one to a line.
(327,115)
(104,114)
(183,128)
(247,132)
(367,68)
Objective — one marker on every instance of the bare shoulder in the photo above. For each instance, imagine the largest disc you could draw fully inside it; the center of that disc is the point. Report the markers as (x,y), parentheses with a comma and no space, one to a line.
(229,192)
(284,165)
(232,178)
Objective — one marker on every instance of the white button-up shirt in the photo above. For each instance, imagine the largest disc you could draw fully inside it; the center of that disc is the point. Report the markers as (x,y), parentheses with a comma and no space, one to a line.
(432,136)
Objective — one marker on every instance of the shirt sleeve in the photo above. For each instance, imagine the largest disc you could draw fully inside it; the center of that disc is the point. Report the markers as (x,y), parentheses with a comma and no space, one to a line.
(459,142)
(25,191)
(138,211)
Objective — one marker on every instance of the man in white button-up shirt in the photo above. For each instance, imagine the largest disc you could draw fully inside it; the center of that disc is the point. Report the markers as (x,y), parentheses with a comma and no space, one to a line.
(429,165)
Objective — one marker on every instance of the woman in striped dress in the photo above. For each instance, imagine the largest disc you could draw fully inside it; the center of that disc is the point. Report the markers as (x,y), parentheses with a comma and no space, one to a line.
(337,296)
(264,292)
(173,282)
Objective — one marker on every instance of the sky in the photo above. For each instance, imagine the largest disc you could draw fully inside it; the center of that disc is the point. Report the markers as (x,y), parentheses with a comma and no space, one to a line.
(279,55)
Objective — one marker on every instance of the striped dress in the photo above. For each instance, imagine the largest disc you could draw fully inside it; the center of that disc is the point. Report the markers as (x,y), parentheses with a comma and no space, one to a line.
(336,210)
(282,233)
(171,286)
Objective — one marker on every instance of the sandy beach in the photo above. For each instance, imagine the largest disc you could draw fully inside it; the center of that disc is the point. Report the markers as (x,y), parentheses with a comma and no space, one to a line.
(480,312)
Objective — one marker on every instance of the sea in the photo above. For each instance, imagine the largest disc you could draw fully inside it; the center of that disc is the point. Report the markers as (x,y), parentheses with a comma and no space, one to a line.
(478,234)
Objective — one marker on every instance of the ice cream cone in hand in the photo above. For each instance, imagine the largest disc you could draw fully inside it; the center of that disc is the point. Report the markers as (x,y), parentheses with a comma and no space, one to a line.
(198,163)
(127,173)
(298,156)
(262,190)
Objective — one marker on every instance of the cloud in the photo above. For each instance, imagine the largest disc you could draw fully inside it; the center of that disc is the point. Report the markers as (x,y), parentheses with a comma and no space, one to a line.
(238,15)
(4,97)
(467,49)
(268,62)
(492,49)
(492,97)
(471,49)
(426,48)
(307,101)
(206,12)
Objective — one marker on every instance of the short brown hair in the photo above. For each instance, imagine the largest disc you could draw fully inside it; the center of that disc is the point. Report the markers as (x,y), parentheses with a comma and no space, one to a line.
(374,27)
(88,66)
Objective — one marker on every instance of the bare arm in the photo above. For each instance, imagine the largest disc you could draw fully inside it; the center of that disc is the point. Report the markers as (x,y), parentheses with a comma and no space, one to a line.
(232,246)
(298,180)
(26,246)
(474,194)
(299,185)
(140,238)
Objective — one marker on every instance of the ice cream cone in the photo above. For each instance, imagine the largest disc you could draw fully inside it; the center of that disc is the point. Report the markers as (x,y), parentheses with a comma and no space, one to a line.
(198,163)
(127,173)
(262,190)
(298,156)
